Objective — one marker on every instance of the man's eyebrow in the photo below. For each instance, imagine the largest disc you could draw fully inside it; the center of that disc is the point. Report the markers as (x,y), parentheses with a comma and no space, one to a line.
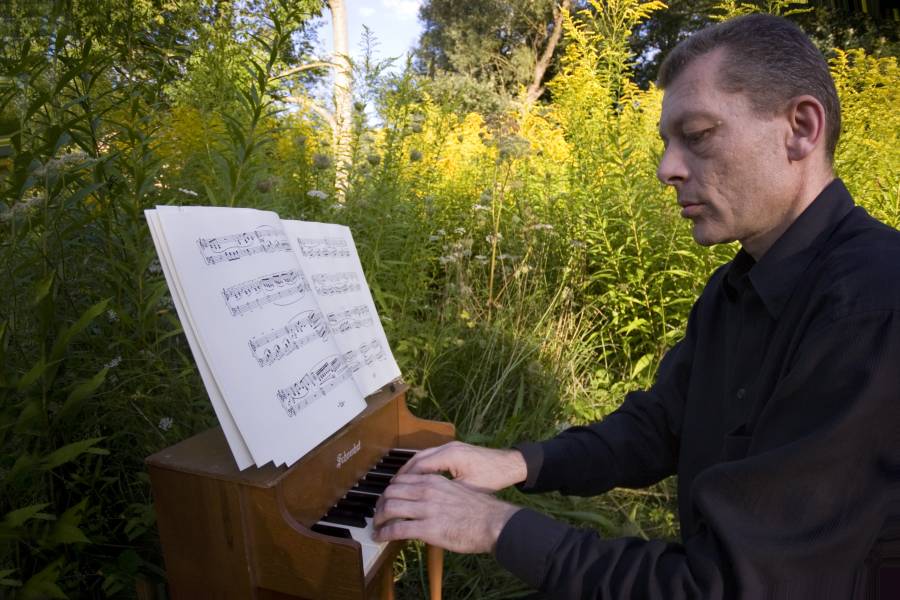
(687,116)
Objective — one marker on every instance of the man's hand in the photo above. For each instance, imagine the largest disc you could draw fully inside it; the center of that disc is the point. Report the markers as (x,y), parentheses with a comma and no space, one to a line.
(440,512)
(481,469)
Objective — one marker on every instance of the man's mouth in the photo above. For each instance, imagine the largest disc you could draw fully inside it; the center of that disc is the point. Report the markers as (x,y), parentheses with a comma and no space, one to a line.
(690,209)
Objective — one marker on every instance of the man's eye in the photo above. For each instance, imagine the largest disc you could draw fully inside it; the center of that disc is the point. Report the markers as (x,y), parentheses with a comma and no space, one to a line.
(695,137)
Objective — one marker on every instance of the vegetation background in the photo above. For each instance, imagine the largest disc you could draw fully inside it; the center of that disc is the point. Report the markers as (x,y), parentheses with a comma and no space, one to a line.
(528,266)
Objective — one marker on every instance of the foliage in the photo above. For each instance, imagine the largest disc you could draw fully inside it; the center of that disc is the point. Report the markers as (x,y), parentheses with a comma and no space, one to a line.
(528,267)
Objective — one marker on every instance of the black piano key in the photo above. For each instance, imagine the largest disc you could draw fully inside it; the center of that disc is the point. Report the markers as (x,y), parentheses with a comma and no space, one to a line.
(363,509)
(389,461)
(362,498)
(377,478)
(344,518)
(367,486)
(382,468)
(332,531)
(406,454)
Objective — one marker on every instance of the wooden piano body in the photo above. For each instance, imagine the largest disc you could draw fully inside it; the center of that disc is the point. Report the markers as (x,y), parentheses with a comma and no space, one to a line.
(245,535)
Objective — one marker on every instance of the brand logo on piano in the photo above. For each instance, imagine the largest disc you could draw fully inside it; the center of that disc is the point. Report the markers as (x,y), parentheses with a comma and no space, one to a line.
(346,455)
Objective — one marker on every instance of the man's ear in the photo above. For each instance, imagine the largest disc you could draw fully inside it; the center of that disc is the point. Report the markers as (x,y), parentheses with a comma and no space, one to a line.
(806,117)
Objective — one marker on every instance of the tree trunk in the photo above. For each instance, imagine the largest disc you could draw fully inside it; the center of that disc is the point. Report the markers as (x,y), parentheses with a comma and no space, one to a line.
(536,88)
(343,91)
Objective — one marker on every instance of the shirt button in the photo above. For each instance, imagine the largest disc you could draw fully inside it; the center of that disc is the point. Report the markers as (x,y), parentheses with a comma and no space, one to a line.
(741,393)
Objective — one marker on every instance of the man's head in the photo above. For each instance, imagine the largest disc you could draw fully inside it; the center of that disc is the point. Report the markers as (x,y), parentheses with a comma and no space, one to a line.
(768,58)
(750,119)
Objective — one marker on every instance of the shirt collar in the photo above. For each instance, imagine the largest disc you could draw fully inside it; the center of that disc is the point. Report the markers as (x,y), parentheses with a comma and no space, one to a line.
(774,276)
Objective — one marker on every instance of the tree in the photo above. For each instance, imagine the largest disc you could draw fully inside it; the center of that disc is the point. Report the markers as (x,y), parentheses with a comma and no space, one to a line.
(502,45)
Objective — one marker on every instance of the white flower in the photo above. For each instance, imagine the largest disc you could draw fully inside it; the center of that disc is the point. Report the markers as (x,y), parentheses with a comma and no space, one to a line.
(165,423)
(459,230)
(113,363)
(433,238)
(539,226)
(447,259)
(188,192)
(441,232)
(481,258)
(577,244)
(480,207)
(112,316)
(154,266)
(318,194)
(508,257)
(490,239)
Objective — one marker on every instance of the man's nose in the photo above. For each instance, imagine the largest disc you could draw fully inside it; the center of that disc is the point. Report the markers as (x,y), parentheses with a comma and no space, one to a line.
(672,169)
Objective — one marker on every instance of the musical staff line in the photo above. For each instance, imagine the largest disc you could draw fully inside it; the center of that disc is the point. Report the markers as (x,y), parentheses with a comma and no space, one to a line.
(317,383)
(323,247)
(281,288)
(262,240)
(300,330)
(327,284)
(352,318)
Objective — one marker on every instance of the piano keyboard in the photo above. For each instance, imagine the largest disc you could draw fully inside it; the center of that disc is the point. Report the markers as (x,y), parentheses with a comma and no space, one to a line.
(351,516)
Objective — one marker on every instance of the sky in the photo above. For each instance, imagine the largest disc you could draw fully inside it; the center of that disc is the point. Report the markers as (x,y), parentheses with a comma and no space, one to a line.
(395,24)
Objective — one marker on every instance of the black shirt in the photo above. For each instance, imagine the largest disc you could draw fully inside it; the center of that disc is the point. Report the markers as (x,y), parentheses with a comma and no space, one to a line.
(780,413)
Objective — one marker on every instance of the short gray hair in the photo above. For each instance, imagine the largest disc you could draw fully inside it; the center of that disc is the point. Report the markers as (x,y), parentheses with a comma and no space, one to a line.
(768,58)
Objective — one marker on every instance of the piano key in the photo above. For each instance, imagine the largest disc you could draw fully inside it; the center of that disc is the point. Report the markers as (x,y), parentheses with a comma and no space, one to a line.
(405,454)
(380,468)
(331,530)
(367,498)
(363,509)
(339,519)
(377,477)
(367,486)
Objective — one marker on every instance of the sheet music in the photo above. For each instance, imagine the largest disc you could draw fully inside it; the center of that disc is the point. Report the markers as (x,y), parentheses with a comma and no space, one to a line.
(327,254)
(242,455)
(259,329)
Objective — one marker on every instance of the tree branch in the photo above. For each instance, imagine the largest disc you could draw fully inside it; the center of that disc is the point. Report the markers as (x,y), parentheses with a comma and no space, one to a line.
(306,67)
(535,90)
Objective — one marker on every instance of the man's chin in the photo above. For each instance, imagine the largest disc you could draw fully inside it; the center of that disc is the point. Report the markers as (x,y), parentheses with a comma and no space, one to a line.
(704,237)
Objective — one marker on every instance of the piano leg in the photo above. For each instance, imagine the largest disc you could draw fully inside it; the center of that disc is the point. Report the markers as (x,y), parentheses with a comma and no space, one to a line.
(387,583)
(435,562)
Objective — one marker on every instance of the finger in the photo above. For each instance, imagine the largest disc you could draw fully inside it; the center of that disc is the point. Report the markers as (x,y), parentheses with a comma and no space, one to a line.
(393,508)
(400,530)
(414,464)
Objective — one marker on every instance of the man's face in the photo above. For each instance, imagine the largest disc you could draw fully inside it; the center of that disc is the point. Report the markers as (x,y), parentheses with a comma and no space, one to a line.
(728,164)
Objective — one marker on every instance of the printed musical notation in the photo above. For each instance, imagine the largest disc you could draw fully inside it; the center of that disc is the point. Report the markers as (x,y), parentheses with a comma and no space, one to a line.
(282,288)
(300,330)
(263,239)
(352,318)
(323,247)
(327,284)
(372,351)
(321,379)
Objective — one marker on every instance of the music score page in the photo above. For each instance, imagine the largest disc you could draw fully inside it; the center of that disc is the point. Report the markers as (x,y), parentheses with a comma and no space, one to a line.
(280,322)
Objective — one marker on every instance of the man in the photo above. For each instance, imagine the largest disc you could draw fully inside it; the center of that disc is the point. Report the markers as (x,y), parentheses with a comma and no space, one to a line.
(779,410)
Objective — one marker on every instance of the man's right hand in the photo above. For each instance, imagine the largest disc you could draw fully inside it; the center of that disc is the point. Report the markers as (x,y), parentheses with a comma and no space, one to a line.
(481,469)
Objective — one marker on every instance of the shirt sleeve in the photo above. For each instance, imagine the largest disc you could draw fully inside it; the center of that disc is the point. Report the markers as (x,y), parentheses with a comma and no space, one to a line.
(792,515)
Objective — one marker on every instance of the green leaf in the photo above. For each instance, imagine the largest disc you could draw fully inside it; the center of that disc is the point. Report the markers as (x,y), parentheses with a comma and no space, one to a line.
(5,579)
(43,584)
(77,327)
(20,516)
(81,392)
(43,288)
(68,453)
(66,530)
(642,363)
(32,375)
(32,412)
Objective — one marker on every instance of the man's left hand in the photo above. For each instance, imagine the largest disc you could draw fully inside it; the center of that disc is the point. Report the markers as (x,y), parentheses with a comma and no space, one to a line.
(440,512)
